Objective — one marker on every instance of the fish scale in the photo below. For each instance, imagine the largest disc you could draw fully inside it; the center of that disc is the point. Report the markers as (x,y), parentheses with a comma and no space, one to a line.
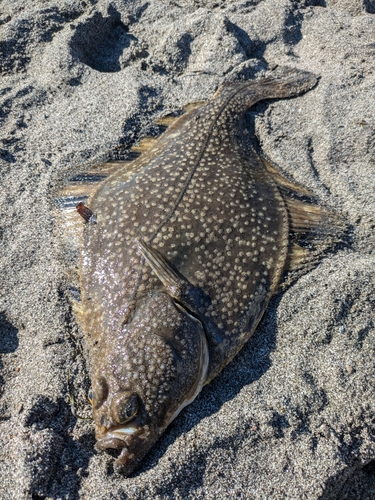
(181,253)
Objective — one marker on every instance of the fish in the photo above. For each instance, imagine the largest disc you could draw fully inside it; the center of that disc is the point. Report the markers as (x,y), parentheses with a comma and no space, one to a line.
(180,253)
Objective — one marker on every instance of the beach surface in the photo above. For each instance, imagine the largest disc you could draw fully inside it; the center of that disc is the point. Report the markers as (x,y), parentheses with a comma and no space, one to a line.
(293,415)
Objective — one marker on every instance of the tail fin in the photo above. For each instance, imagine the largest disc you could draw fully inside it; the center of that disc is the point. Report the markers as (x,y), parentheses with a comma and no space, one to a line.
(286,82)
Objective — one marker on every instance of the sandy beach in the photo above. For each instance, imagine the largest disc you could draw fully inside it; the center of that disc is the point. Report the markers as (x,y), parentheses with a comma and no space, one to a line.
(293,415)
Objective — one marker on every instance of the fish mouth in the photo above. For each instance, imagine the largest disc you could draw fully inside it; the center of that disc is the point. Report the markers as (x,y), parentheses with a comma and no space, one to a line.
(113,442)
(130,440)
(117,437)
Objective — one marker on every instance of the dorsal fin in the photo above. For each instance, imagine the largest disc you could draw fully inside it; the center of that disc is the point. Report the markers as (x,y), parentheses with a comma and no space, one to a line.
(169,119)
(80,187)
(193,105)
(144,144)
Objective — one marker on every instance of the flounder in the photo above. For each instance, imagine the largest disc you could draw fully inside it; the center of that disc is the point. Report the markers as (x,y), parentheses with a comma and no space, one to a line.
(181,252)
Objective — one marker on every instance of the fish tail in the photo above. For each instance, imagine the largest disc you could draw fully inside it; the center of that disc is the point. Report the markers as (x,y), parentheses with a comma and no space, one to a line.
(291,82)
(285,83)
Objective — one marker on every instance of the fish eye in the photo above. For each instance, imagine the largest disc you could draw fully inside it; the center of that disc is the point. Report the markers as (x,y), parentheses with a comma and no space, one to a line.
(125,407)
(90,395)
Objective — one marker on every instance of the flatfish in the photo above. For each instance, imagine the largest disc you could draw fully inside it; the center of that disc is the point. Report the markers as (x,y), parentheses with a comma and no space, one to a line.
(181,251)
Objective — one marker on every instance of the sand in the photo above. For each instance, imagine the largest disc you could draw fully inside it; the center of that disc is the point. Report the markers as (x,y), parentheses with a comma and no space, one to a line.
(293,416)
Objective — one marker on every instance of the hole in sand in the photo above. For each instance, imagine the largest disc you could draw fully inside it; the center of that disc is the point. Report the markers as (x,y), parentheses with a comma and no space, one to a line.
(100,42)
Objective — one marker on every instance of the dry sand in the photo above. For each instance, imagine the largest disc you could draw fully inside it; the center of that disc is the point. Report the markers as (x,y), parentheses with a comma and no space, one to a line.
(293,416)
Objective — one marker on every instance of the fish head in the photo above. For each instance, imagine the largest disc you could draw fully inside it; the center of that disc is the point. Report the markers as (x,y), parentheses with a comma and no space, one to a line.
(144,375)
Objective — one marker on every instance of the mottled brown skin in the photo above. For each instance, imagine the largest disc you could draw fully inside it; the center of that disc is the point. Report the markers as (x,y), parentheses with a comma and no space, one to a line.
(218,219)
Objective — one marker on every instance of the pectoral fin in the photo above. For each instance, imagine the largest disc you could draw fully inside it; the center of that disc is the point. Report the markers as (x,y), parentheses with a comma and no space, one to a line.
(173,281)
(176,285)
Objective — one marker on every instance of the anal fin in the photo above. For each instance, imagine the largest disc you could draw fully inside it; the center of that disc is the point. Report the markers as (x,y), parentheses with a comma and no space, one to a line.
(297,257)
(314,229)
(281,181)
